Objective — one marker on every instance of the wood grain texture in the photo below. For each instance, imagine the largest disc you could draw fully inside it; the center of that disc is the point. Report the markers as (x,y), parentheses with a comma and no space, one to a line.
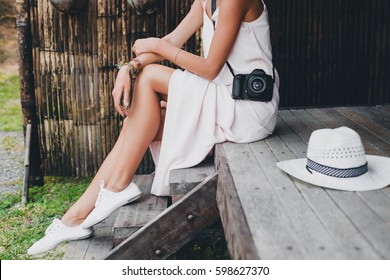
(237,232)
(174,227)
(181,181)
(282,217)
(133,216)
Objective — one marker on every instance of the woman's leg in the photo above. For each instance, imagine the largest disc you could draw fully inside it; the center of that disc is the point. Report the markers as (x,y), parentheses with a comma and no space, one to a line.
(140,128)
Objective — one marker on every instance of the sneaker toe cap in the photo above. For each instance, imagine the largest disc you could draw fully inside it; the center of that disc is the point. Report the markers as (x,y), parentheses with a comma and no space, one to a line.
(39,247)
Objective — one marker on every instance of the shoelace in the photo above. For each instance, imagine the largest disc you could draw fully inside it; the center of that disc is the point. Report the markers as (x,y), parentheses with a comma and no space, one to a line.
(52,228)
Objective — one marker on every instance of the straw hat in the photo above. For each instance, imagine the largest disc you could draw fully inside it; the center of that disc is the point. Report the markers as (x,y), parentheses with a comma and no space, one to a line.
(336,159)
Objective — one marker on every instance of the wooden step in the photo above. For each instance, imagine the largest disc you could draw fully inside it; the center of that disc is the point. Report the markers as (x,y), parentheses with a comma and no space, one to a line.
(121,224)
(173,228)
(183,180)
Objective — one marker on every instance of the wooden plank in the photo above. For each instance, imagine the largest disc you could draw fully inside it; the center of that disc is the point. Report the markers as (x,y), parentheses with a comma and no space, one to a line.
(313,238)
(374,114)
(350,243)
(237,232)
(323,118)
(101,243)
(361,215)
(76,250)
(386,191)
(267,213)
(379,202)
(332,119)
(342,232)
(133,216)
(364,133)
(371,226)
(311,122)
(385,108)
(183,180)
(173,228)
(299,127)
(307,119)
(375,128)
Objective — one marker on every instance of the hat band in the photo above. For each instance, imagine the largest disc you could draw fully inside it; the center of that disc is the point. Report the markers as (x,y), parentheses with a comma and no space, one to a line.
(336,172)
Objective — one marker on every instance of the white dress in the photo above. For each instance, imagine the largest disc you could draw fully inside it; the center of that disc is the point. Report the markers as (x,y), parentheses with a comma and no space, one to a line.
(201,113)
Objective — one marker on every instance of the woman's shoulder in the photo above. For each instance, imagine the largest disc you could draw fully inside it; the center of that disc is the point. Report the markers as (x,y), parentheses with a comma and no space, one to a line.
(249,9)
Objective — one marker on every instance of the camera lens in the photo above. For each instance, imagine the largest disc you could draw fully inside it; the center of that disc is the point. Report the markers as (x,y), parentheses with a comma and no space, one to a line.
(256,85)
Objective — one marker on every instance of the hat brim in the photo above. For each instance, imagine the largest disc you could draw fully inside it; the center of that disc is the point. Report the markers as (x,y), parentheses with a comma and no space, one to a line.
(377,177)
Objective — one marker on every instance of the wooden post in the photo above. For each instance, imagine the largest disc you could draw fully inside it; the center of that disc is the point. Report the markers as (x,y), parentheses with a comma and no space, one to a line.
(27,96)
(26,165)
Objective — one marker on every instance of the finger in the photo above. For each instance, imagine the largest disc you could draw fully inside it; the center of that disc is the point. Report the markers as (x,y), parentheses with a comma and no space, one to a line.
(126,94)
(119,110)
(117,97)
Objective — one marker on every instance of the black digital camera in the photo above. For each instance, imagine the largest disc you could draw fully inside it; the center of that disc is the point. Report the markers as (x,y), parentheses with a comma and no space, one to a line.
(256,86)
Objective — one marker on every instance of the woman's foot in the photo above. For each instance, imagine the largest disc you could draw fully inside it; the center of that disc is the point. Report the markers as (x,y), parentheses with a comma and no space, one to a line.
(57,233)
(108,201)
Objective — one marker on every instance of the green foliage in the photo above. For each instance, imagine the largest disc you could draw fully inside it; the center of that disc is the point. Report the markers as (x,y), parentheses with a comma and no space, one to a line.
(10,107)
(21,225)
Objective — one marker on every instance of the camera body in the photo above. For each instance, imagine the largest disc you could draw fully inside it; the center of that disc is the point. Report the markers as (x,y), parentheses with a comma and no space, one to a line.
(256,86)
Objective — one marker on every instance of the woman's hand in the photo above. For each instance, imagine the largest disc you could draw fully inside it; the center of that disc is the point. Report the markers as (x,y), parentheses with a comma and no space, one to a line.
(122,90)
(147,45)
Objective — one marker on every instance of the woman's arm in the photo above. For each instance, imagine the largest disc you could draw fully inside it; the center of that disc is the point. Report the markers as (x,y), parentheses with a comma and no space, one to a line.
(231,15)
(188,26)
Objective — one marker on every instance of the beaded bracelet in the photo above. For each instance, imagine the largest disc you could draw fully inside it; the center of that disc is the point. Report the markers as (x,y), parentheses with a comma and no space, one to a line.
(121,64)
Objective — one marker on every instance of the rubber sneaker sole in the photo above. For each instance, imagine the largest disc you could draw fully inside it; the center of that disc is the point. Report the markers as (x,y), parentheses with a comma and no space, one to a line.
(31,251)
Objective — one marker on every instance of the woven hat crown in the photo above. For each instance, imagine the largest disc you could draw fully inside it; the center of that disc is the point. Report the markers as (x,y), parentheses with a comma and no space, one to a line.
(338,148)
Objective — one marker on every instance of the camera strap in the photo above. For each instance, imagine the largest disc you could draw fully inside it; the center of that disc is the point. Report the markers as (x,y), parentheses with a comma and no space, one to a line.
(213,8)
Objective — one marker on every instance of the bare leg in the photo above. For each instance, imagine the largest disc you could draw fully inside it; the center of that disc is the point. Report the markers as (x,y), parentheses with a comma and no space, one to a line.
(140,128)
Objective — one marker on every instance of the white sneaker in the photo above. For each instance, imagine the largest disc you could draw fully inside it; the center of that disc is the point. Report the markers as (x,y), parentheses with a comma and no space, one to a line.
(57,233)
(108,201)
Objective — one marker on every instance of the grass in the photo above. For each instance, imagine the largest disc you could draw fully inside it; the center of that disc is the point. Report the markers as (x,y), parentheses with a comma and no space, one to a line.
(10,107)
(9,143)
(21,225)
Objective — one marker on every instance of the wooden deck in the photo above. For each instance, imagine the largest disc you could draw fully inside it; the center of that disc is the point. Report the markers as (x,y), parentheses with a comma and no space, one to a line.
(267,214)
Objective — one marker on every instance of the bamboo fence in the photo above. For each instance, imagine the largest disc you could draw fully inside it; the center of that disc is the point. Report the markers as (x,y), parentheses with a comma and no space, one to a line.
(333,52)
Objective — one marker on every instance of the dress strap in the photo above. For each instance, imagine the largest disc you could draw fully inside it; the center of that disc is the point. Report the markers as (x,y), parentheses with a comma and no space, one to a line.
(213,6)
